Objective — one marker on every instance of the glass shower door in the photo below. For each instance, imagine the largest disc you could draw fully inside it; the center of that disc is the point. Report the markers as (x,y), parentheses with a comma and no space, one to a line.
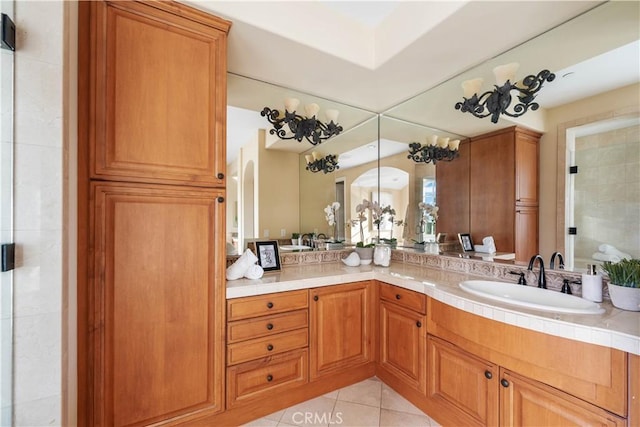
(6,224)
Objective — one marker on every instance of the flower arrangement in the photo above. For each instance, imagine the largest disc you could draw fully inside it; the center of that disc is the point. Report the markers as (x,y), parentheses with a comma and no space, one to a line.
(330,215)
(376,215)
(428,215)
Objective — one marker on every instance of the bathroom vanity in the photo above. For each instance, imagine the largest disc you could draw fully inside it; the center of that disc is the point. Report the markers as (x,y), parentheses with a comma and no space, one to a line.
(462,359)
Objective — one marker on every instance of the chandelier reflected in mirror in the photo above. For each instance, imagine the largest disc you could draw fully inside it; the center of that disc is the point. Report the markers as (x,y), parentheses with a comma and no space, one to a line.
(435,150)
(326,164)
(295,126)
(498,101)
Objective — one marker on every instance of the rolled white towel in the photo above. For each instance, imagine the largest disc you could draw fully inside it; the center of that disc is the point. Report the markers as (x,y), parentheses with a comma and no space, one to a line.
(239,268)
(488,246)
(612,250)
(605,257)
(254,272)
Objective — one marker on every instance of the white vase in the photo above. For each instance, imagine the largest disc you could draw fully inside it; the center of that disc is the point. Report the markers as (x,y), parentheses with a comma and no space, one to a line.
(365,254)
(624,297)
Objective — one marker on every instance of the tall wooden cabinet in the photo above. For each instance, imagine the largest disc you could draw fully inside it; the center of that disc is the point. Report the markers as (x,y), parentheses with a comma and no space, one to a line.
(492,190)
(152,102)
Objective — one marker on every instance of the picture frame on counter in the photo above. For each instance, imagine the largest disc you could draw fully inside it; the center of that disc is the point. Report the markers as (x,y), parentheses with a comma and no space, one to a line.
(466,242)
(268,256)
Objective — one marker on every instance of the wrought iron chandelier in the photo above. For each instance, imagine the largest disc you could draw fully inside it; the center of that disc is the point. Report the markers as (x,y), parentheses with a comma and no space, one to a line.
(295,126)
(326,164)
(495,102)
(437,149)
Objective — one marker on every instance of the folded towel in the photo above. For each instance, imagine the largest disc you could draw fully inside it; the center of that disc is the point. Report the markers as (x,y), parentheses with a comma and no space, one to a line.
(254,272)
(488,246)
(239,268)
(599,256)
(612,250)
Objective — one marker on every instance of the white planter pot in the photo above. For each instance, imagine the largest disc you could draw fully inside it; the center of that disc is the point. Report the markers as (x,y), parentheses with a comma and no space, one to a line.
(624,297)
(365,254)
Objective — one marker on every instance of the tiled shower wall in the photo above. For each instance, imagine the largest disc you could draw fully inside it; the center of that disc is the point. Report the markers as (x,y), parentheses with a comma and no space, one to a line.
(607,192)
(38,208)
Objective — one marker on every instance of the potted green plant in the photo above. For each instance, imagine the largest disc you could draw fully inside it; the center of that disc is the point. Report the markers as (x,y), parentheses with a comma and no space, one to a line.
(624,283)
(295,239)
(365,252)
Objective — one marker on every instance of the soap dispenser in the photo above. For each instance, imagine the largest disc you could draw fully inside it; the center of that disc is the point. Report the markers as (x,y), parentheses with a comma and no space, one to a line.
(592,284)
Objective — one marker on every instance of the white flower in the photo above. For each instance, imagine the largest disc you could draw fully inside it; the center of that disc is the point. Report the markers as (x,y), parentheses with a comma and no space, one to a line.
(330,212)
(429,210)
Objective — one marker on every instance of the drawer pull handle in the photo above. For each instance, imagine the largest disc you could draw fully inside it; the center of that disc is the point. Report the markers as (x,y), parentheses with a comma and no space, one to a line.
(269,305)
(270,347)
(220,176)
(220,199)
(419,324)
(488,374)
(315,298)
(398,296)
(269,326)
(504,383)
(269,377)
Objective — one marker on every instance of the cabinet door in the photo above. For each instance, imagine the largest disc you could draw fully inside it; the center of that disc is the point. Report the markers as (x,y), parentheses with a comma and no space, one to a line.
(492,189)
(526,168)
(341,329)
(158,89)
(526,232)
(403,345)
(525,402)
(156,303)
(452,195)
(463,387)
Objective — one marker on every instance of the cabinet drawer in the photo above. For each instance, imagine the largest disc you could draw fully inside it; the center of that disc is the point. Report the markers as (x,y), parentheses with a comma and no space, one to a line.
(268,325)
(253,380)
(404,297)
(243,308)
(262,347)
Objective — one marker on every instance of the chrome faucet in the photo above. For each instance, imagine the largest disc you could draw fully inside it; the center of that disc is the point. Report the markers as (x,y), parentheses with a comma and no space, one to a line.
(542,278)
(560,261)
(308,241)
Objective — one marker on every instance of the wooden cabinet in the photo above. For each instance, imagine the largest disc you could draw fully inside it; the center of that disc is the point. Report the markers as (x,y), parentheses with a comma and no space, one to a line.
(151,213)
(452,193)
(341,334)
(463,386)
(528,403)
(157,303)
(594,375)
(468,390)
(158,93)
(402,336)
(267,345)
(503,181)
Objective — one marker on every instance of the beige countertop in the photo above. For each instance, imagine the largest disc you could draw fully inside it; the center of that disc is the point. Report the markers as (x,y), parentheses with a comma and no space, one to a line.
(614,328)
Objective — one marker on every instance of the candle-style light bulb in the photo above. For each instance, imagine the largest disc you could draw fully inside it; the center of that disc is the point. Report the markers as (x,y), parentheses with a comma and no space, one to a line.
(290,104)
(506,72)
(332,115)
(311,110)
(472,87)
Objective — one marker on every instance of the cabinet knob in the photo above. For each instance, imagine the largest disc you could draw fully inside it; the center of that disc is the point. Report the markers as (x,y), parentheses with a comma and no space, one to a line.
(315,298)
(220,176)
(220,199)
(269,326)
(504,383)
(269,305)
(270,347)
(488,374)
(269,377)
(398,296)
(419,324)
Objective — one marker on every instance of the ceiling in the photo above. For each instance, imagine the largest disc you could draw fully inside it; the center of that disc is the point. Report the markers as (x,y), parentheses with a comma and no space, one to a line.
(375,55)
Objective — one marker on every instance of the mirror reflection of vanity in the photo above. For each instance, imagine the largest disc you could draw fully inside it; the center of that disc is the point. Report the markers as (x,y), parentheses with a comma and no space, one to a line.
(607,33)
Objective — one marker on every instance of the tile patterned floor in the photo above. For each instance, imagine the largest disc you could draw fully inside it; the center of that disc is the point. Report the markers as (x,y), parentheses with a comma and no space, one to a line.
(369,403)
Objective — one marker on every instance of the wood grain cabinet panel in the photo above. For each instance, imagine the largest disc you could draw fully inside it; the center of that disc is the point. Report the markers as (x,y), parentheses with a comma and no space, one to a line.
(157,303)
(452,195)
(403,335)
(266,325)
(404,297)
(267,346)
(462,386)
(341,328)
(261,305)
(158,83)
(528,403)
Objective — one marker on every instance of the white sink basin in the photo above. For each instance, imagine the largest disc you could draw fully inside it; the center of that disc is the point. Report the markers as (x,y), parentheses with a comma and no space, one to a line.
(531,297)
(294,247)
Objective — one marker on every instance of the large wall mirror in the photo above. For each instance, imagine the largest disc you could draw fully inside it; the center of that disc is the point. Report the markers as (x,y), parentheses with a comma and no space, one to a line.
(596,59)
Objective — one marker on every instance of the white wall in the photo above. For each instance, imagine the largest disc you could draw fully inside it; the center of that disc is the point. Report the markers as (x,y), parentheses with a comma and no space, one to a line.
(39,206)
